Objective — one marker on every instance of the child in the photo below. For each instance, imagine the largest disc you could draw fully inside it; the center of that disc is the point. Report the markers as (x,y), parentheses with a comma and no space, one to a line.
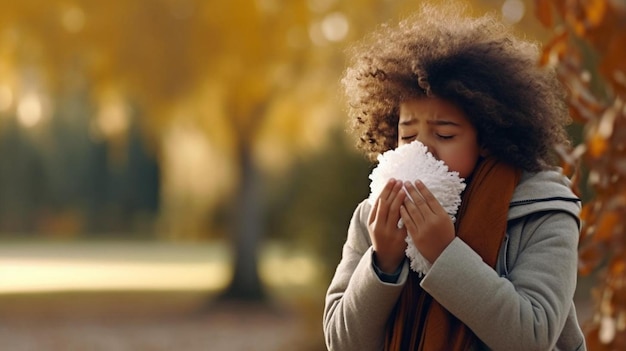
(503,275)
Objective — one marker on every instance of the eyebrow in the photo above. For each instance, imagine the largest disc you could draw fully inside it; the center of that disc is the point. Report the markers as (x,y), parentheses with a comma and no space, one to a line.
(437,122)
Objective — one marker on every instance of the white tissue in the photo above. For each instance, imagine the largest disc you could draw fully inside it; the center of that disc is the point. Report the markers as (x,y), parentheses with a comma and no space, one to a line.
(411,162)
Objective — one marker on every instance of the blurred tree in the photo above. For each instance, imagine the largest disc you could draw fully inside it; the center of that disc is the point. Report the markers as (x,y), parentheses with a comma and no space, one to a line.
(21,181)
(321,193)
(277,75)
(588,51)
(223,91)
(245,73)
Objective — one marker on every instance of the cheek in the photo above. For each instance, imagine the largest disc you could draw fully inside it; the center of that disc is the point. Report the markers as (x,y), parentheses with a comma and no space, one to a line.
(467,169)
(462,161)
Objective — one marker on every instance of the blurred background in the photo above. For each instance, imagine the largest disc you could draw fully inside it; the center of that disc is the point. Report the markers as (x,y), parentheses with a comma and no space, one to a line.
(176,174)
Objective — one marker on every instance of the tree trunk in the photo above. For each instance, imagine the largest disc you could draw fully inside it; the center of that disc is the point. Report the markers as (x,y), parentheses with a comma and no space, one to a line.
(248,229)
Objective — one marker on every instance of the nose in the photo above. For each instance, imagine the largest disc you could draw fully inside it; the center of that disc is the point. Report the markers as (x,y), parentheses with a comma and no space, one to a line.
(429,146)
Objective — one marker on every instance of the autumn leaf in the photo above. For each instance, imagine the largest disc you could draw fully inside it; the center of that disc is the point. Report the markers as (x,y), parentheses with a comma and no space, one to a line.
(607,225)
(543,11)
(613,65)
(596,28)
(618,267)
(594,12)
(554,51)
(590,256)
(598,145)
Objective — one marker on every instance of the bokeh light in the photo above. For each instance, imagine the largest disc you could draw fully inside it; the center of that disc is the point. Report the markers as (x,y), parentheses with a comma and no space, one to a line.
(513,10)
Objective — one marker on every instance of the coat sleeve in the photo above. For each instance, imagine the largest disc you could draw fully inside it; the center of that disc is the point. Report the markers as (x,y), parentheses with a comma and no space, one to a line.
(527,308)
(358,303)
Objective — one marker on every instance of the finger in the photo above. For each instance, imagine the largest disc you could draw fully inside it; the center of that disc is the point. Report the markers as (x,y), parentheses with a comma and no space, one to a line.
(394,208)
(387,189)
(388,202)
(407,219)
(413,204)
(415,195)
(429,198)
(382,202)
(397,187)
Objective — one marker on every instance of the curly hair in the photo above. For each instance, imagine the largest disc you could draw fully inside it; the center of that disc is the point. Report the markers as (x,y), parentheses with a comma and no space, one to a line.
(517,107)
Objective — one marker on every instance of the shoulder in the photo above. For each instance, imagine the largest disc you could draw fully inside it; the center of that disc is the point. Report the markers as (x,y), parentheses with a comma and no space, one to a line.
(543,191)
(358,236)
(362,210)
(536,184)
(361,215)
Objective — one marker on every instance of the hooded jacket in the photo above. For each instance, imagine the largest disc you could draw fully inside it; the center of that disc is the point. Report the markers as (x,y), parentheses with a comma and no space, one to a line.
(525,304)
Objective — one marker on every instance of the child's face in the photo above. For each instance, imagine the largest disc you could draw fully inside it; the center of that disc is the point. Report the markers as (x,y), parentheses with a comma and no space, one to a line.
(444,129)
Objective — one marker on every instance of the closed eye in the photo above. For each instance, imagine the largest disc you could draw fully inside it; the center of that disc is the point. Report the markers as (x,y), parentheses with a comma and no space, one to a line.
(407,138)
(445,137)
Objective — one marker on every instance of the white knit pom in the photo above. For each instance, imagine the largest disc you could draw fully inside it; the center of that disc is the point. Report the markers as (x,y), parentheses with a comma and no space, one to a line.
(411,162)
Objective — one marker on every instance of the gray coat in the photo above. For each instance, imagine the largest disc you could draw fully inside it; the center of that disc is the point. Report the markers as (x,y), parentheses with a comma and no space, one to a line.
(525,304)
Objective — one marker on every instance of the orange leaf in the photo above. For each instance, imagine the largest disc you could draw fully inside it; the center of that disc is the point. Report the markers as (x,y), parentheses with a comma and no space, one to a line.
(597,145)
(585,213)
(543,11)
(607,224)
(592,337)
(575,178)
(554,51)
(613,65)
(563,7)
(595,11)
(590,255)
(617,267)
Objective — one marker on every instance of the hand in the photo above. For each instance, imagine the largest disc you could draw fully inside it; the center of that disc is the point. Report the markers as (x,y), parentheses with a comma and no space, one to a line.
(388,241)
(427,222)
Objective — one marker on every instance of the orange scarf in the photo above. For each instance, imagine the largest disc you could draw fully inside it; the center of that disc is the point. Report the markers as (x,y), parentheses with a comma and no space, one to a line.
(419,322)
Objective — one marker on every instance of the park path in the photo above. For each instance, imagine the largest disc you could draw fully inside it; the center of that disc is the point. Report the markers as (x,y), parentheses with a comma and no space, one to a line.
(151,321)
(153,296)
(184,318)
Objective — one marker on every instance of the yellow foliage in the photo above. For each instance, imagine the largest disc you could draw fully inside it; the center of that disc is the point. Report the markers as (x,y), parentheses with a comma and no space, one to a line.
(598,25)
